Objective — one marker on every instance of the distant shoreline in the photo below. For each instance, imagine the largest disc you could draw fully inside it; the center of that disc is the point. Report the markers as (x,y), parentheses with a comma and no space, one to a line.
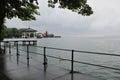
(52,37)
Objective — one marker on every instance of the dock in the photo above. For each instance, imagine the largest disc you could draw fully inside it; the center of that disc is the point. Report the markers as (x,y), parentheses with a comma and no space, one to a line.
(23,40)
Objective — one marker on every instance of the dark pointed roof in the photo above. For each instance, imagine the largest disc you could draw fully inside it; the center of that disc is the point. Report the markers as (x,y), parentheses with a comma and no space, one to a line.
(28,30)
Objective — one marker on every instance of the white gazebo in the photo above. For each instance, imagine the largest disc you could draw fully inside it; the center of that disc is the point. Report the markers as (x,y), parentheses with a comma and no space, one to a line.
(29,33)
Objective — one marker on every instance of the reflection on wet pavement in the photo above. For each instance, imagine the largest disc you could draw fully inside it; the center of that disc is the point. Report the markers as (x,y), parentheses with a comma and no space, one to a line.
(14,67)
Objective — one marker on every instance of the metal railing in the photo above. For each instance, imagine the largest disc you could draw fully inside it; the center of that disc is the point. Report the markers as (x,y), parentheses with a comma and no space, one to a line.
(72,55)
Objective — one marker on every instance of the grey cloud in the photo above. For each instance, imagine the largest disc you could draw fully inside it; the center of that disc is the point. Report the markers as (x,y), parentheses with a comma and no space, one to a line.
(105,19)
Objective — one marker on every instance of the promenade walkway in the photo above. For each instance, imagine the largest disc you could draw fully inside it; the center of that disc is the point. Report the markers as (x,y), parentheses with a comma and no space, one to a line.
(16,68)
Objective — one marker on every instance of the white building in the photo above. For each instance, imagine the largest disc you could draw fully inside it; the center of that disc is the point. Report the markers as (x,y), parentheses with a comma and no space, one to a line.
(28,33)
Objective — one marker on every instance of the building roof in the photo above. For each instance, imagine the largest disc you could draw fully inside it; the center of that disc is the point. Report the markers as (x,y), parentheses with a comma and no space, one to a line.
(28,30)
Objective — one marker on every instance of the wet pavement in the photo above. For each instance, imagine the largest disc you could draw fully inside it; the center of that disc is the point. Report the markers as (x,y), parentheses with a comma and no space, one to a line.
(17,68)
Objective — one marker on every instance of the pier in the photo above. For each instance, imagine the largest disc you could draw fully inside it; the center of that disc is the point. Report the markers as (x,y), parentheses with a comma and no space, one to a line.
(24,41)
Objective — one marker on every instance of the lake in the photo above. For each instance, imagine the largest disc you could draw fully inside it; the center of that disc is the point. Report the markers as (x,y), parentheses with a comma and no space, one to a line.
(94,44)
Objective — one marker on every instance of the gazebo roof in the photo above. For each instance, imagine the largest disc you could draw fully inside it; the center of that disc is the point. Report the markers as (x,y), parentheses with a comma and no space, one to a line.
(29,30)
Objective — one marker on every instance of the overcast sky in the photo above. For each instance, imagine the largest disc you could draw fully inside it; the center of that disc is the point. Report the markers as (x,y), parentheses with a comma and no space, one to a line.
(104,21)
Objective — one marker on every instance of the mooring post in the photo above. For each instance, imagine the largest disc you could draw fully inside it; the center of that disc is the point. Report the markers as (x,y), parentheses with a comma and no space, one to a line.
(28,55)
(45,62)
(72,62)
(9,48)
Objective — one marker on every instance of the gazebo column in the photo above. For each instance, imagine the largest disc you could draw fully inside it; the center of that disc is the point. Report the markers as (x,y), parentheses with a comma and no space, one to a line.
(34,35)
(24,35)
(29,35)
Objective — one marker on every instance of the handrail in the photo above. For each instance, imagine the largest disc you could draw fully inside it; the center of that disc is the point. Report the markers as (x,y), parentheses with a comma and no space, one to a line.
(88,52)
(72,56)
(73,60)
(53,48)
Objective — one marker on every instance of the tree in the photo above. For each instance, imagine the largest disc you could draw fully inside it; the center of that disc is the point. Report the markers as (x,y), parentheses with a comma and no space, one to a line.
(79,6)
(25,9)
(2,33)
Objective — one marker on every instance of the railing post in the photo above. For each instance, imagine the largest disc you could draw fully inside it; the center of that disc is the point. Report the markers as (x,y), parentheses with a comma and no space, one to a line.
(17,51)
(28,55)
(9,48)
(27,52)
(45,61)
(72,62)
(17,48)
(4,47)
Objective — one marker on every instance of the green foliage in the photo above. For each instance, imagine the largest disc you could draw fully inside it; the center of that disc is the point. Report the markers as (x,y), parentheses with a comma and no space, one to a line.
(10,33)
(23,9)
(79,6)
(2,33)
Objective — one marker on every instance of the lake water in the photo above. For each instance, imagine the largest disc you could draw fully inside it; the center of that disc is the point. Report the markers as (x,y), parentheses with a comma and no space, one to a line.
(95,44)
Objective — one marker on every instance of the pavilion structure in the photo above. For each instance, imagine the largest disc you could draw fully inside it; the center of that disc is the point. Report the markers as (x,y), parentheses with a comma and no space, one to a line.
(28,33)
